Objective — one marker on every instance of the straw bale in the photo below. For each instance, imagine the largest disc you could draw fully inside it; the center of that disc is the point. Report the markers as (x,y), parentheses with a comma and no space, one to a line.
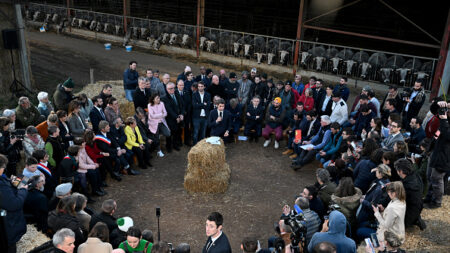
(31,239)
(207,169)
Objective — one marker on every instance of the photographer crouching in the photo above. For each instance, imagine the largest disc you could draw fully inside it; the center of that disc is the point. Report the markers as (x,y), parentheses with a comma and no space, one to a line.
(439,164)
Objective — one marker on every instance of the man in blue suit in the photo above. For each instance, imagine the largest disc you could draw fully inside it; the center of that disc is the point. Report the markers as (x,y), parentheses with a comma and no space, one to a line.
(220,121)
(97,114)
(217,240)
(201,104)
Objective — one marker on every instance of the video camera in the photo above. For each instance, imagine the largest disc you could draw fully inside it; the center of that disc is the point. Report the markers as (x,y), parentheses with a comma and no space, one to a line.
(296,221)
(406,93)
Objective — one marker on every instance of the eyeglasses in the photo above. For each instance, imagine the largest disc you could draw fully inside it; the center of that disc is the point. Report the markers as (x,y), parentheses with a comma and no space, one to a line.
(393,126)
(170,88)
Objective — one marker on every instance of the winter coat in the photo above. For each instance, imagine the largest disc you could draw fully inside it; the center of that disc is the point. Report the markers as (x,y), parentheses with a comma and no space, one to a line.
(58,220)
(12,201)
(85,163)
(61,98)
(392,220)
(94,244)
(29,146)
(440,158)
(362,175)
(413,189)
(325,192)
(27,117)
(349,205)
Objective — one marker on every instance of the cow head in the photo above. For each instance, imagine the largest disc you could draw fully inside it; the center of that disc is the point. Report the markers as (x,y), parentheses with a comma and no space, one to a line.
(144,32)
(93,25)
(365,66)
(403,72)
(118,29)
(202,42)
(55,18)
(210,45)
(165,38)
(37,16)
(247,48)
(385,74)
(185,39)
(283,56)
(319,61)
(422,74)
(74,22)
(304,58)
(80,23)
(270,57)
(156,45)
(349,64)
(48,17)
(236,47)
(135,32)
(335,61)
(259,57)
(173,38)
(99,26)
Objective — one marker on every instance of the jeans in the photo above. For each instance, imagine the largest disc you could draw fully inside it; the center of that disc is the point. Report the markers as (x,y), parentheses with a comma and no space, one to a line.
(129,95)
(364,231)
(199,132)
(306,157)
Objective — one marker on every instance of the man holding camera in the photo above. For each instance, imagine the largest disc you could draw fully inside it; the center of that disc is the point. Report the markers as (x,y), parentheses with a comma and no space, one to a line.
(413,102)
(440,159)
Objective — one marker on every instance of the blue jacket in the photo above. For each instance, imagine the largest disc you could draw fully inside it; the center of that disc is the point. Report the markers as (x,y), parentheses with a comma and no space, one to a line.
(362,175)
(130,79)
(336,235)
(12,201)
(333,145)
(321,138)
(345,92)
(363,122)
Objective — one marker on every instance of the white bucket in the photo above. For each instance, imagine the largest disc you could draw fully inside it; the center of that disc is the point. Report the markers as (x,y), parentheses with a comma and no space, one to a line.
(108,46)
(129,48)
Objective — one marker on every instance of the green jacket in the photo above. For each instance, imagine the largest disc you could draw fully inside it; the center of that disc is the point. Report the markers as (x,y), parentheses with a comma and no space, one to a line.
(27,117)
(144,247)
(325,192)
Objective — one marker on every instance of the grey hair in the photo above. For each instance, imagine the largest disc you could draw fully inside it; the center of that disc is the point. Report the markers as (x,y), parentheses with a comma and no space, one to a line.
(34,180)
(22,100)
(8,113)
(323,175)
(41,95)
(116,120)
(392,239)
(58,237)
(170,83)
(326,118)
(180,80)
(303,203)
(142,79)
(166,74)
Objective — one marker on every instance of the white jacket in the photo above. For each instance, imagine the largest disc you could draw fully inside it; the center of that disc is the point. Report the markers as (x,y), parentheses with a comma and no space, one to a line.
(339,112)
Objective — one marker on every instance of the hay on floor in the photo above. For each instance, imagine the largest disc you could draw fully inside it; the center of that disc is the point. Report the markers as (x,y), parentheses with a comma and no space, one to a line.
(31,239)
(207,169)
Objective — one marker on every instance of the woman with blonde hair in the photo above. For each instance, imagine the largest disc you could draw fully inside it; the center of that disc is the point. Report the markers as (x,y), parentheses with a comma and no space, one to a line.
(136,144)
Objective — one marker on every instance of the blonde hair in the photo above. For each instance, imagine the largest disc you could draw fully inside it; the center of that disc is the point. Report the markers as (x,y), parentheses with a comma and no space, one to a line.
(399,190)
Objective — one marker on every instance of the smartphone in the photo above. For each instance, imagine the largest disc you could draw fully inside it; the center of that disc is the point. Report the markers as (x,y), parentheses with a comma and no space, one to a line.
(369,243)
(326,217)
(158,211)
(374,239)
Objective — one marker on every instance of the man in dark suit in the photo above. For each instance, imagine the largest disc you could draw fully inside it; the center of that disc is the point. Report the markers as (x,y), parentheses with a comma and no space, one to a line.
(142,94)
(175,115)
(220,121)
(186,98)
(254,118)
(201,104)
(394,135)
(97,114)
(324,105)
(318,91)
(217,240)
(202,74)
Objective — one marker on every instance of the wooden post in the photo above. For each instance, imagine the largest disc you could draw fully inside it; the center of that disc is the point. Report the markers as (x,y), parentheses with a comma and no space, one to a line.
(298,38)
(126,8)
(198,27)
(68,14)
(91,75)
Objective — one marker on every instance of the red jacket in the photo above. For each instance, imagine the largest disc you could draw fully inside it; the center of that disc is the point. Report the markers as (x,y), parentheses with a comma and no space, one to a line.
(296,98)
(93,152)
(432,126)
(308,102)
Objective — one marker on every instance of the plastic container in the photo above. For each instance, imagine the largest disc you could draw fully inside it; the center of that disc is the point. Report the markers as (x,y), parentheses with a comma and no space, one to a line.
(108,46)
(129,48)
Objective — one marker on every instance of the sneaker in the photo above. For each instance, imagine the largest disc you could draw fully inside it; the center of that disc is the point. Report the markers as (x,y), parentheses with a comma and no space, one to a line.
(277,145)
(293,156)
(288,152)
(432,205)
(160,154)
(266,143)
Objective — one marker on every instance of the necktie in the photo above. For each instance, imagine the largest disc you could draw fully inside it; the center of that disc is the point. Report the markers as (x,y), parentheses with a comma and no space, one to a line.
(221,114)
(101,113)
(174,99)
(181,93)
(208,246)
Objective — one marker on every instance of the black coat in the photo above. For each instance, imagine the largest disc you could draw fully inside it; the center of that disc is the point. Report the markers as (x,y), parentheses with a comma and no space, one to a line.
(318,95)
(108,219)
(231,89)
(413,189)
(58,150)
(104,97)
(218,129)
(187,104)
(173,110)
(216,90)
(258,111)
(107,148)
(197,105)
(140,99)
(63,133)
(12,201)
(95,116)
(36,205)
(221,245)
(328,108)
(58,220)
(118,136)
(440,158)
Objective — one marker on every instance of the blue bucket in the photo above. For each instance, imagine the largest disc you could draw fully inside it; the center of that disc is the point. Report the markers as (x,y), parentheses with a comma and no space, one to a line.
(129,48)
(108,46)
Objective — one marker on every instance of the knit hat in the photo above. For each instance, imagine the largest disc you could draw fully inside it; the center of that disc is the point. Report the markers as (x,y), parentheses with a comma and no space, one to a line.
(125,223)
(254,70)
(68,83)
(383,169)
(277,99)
(63,189)
(264,75)
(233,75)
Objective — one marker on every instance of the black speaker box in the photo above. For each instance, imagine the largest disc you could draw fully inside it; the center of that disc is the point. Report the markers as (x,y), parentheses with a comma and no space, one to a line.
(10,39)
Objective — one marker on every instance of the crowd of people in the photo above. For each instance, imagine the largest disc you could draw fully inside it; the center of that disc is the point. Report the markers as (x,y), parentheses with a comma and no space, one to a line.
(379,161)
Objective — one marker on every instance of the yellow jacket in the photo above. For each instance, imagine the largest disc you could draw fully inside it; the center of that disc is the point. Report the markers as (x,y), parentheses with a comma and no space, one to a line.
(131,137)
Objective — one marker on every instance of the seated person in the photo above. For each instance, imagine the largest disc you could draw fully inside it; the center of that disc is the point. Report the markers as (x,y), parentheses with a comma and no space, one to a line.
(45,106)
(318,142)
(47,170)
(315,204)
(32,141)
(363,120)
(108,209)
(274,122)
(136,145)
(330,151)
(219,121)
(36,204)
(135,243)
(67,169)
(76,121)
(325,188)
(235,110)
(295,124)
(310,126)
(254,118)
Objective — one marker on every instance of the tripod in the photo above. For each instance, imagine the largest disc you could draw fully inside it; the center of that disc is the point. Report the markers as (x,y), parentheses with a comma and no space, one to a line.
(16,84)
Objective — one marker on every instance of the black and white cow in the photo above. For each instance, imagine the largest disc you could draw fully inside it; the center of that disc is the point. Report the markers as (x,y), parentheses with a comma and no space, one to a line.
(410,66)
(392,64)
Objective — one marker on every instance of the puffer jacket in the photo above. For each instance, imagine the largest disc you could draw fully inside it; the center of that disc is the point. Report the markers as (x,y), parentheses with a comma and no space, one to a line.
(349,205)
(58,220)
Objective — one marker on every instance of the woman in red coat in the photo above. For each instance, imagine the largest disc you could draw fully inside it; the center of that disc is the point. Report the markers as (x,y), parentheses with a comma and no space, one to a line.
(307,100)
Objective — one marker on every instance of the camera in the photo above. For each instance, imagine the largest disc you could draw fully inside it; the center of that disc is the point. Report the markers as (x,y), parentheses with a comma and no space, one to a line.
(171,249)
(406,93)
(442,110)
(331,208)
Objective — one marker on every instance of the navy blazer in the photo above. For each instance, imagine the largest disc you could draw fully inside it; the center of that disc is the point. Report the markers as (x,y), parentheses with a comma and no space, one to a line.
(187,103)
(96,117)
(173,110)
(221,245)
(197,105)
(218,129)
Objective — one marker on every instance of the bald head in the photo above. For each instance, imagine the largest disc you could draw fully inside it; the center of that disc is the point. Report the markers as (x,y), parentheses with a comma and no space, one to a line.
(215,80)
(166,78)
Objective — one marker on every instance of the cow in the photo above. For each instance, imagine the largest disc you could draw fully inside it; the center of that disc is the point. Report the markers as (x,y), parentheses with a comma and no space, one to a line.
(259,57)
(38,16)
(304,58)
(48,17)
(392,63)
(173,39)
(318,56)
(144,33)
(118,30)
(284,57)
(270,57)
(56,18)
(93,25)
(203,42)
(165,38)
(365,67)
(211,46)
(99,27)
(411,65)
(375,61)
(248,49)
(186,40)
(236,48)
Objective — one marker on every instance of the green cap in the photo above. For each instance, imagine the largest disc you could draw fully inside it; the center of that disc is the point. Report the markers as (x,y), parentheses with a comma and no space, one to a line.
(68,83)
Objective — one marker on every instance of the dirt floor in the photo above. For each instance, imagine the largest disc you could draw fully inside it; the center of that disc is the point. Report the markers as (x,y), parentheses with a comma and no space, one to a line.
(261,180)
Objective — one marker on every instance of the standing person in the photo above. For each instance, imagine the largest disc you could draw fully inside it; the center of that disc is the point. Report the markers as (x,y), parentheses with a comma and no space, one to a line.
(63,95)
(324,105)
(244,88)
(231,87)
(105,94)
(217,240)
(157,120)
(141,94)
(298,84)
(202,74)
(186,99)
(223,80)
(439,161)
(188,82)
(183,75)
(394,94)
(342,88)
(12,201)
(86,105)
(339,110)
(208,78)
(54,147)
(215,89)
(130,80)
(174,118)
(201,103)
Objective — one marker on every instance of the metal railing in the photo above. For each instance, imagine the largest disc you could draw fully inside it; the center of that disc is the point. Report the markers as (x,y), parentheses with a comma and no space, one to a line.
(374,65)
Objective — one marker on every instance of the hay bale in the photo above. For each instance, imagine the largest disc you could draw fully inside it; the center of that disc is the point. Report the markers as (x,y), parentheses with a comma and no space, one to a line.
(31,239)
(126,109)
(207,169)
